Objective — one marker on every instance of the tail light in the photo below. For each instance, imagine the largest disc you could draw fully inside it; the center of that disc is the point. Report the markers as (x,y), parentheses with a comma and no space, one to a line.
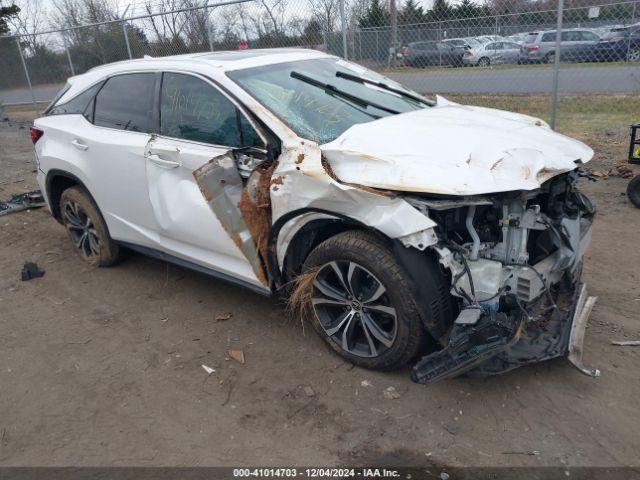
(407,52)
(36,133)
(468,53)
(533,48)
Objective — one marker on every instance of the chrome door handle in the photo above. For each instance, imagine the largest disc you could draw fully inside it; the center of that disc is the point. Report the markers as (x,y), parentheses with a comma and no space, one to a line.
(79,145)
(162,162)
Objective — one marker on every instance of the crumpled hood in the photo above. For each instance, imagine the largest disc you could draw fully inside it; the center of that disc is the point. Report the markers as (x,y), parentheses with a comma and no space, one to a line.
(455,150)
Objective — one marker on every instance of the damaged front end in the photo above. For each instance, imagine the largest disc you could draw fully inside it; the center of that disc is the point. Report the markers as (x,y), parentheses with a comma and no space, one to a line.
(515,261)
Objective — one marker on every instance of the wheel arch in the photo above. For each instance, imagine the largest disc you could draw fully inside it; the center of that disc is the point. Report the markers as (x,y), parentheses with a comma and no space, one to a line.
(296,234)
(57,181)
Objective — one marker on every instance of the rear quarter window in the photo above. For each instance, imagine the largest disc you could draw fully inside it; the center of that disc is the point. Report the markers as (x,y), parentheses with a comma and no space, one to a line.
(530,38)
(126,102)
(549,37)
(78,104)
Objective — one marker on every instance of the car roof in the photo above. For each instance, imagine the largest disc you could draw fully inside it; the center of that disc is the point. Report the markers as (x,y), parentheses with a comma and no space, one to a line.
(214,64)
(227,60)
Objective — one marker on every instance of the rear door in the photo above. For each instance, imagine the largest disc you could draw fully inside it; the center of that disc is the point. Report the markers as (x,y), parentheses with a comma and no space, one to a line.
(197,123)
(494,52)
(510,52)
(121,116)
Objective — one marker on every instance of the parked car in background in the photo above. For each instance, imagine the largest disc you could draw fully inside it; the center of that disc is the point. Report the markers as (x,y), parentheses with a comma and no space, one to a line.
(493,53)
(462,43)
(517,38)
(422,54)
(621,43)
(489,38)
(540,46)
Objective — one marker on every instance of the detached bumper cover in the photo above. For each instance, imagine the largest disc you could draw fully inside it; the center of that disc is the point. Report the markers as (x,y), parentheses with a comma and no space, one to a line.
(476,350)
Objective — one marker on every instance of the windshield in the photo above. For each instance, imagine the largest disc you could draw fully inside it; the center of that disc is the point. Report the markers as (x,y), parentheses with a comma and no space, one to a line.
(319,103)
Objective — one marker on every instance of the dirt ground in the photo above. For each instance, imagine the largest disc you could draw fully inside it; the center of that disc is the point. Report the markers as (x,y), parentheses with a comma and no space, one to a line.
(103,367)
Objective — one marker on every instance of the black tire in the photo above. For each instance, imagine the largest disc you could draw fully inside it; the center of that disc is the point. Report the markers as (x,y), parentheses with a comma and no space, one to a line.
(87,229)
(633,55)
(484,62)
(550,57)
(633,191)
(374,262)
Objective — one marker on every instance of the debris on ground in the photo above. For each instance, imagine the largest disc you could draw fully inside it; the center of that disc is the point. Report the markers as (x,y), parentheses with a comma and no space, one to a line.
(22,201)
(299,301)
(224,317)
(237,355)
(30,271)
(208,369)
(533,453)
(621,170)
(391,393)
(625,171)
(626,343)
(366,383)
(308,391)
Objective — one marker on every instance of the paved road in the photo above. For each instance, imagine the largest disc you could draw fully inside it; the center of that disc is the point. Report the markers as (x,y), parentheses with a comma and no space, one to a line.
(42,94)
(612,79)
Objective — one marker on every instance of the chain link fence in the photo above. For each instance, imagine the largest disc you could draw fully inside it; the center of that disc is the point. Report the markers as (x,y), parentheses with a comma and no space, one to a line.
(575,65)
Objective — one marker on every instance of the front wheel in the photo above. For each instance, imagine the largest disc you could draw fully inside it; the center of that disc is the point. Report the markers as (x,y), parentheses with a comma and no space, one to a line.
(361,302)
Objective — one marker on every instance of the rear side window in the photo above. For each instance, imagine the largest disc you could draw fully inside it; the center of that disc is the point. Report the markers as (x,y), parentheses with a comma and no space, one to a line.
(530,38)
(77,104)
(571,36)
(58,96)
(126,103)
(191,109)
(549,37)
(589,36)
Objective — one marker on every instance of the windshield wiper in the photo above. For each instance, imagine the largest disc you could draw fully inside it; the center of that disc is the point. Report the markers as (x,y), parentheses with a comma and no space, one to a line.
(333,90)
(384,86)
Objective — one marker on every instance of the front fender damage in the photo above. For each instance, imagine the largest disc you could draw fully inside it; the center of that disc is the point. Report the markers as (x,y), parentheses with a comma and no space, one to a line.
(297,182)
(517,283)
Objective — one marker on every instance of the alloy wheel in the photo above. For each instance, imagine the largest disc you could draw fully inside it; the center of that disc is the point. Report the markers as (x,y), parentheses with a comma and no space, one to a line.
(81,229)
(354,308)
(633,55)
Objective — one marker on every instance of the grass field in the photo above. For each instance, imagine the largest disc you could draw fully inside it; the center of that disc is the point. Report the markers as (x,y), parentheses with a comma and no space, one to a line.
(578,115)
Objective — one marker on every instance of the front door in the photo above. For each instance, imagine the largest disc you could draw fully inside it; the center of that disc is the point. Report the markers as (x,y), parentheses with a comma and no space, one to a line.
(197,124)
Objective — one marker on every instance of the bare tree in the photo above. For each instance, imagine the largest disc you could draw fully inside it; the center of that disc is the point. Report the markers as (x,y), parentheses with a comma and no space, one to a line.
(29,20)
(326,13)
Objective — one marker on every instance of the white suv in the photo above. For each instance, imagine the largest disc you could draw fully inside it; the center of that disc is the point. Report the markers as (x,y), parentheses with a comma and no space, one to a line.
(406,226)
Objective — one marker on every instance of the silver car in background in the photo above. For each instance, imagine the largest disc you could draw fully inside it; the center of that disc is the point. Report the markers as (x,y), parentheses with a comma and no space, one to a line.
(493,53)
(540,47)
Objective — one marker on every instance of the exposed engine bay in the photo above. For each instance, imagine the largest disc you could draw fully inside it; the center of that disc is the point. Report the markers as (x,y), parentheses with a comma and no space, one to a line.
(515,261)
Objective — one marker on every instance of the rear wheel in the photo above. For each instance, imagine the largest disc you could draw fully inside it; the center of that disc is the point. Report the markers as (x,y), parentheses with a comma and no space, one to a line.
(550,57)
(361,300)
(484,62)
(87,228)
(633,55)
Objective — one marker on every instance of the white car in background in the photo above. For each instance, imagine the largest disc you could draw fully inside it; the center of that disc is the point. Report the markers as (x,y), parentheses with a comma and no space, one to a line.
(408,227)
(492,53)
